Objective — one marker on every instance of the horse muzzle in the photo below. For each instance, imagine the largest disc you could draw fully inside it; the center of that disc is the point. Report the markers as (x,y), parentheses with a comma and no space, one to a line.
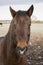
(22,47)
(21,50)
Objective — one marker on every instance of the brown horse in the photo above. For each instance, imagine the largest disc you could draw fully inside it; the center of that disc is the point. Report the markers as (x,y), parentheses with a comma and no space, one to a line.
(14,45)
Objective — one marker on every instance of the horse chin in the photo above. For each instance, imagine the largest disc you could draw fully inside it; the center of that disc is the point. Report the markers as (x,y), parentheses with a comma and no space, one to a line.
(20,53)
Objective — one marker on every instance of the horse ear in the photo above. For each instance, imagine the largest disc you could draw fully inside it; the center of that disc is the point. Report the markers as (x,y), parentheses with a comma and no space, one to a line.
(30,11)
(13,12)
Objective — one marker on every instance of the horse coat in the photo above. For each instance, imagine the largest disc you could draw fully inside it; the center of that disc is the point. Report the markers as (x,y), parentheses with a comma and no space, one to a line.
(14,45)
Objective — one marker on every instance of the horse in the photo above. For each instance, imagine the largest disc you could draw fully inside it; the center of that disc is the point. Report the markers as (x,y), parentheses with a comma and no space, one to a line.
(14,45)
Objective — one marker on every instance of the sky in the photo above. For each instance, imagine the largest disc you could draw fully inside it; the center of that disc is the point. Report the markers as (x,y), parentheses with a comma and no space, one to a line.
(15,2)
(21,5)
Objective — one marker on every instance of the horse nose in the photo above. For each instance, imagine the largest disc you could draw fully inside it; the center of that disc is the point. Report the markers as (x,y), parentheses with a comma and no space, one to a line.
(22,50)
(21,46)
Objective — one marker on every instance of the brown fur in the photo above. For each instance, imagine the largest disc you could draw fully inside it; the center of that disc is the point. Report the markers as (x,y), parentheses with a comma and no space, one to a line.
(17,36)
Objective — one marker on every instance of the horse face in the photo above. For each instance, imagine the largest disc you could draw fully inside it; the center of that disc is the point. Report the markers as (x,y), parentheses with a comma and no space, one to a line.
(22,32)
(21,28)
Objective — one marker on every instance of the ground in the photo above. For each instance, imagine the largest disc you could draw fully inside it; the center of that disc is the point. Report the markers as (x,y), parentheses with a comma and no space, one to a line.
(35,56)
(35,52)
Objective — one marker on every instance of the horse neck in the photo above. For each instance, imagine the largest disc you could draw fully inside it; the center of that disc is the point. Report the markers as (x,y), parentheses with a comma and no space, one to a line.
(8,42)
